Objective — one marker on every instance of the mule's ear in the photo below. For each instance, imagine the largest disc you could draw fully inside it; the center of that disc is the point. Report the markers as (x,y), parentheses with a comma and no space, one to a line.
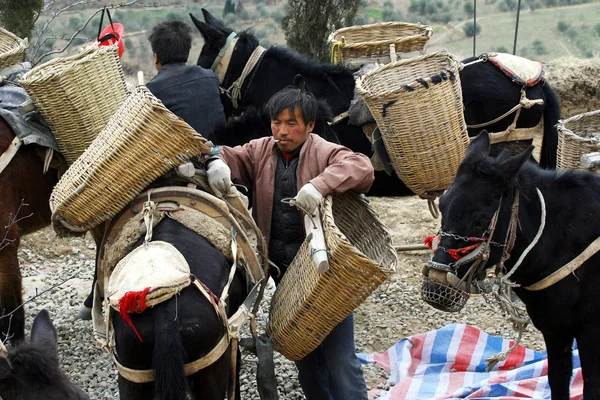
(478,149)
(212,36)
(211,19)
(511,167)
(299,82)
(43,333)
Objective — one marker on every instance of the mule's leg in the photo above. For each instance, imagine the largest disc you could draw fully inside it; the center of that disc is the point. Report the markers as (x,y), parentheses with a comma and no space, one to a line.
(560,363)
(589,353)
(135,391)
(12,321)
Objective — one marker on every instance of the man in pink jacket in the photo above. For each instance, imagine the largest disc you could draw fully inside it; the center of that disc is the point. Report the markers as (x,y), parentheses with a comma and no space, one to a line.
(295,163)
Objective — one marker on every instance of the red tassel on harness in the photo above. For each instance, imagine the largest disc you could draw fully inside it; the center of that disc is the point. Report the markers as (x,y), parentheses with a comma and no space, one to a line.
(129,304)
(428,241)
(457,254)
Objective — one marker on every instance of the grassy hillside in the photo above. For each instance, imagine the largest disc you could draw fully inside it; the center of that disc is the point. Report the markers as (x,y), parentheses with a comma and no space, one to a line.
(539,35)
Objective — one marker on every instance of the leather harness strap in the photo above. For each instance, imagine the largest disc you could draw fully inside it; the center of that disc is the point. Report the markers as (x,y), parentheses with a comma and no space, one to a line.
(9,153)
(568,268)
(148,375)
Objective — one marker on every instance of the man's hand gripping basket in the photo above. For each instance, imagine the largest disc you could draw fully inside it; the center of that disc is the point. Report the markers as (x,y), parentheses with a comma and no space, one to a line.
(12,48)
(308,305)
(77,95)
(358,45)
(579,141)
(417,104)
(142,141)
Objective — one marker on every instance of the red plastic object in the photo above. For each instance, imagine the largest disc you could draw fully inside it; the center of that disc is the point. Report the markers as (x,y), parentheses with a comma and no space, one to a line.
(113,34)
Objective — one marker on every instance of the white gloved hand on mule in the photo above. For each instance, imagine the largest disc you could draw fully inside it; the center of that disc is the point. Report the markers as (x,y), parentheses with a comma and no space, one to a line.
(308,198)
(219,177)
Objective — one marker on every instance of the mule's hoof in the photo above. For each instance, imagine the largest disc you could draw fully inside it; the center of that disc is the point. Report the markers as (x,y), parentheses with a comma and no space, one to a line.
(85,313)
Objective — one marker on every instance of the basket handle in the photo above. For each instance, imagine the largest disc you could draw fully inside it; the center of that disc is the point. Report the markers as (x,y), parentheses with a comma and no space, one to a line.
(108,35)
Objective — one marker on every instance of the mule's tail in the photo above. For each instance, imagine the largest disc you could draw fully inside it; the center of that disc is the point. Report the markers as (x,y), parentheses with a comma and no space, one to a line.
(551,117)
(168,355)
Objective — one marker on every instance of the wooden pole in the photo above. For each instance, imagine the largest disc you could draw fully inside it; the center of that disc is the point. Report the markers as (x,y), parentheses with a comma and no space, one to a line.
(410,247)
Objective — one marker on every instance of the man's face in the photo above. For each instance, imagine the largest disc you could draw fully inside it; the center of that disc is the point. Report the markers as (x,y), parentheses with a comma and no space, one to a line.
(290,130)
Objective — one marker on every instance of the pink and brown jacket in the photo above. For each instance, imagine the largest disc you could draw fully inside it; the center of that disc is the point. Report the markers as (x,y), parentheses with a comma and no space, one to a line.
(331,168)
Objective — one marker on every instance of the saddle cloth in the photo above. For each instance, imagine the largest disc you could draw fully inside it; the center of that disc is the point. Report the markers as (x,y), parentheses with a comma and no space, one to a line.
(519,69)
(149,275)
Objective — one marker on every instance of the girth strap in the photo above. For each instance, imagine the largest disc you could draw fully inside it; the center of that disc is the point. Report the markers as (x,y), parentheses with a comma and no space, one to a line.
(148,375)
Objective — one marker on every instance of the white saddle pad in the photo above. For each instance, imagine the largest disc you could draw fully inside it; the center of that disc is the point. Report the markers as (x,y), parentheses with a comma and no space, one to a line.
(149,275)
(519,69)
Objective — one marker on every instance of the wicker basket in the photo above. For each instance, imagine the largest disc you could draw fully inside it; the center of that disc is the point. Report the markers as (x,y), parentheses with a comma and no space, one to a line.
(308,305)
(575,139)
(12,48)
(372,42)
(417,104)
(141,142)
(77,95)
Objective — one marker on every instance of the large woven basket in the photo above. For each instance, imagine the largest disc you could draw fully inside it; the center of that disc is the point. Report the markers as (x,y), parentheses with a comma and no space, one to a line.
(372,42)
(141,142)
(308,305)
(417,104)
(12,48)
(577,136)
(77,95)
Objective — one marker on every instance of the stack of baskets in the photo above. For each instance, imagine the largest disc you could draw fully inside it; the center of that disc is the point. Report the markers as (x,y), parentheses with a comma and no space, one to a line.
(77,95)
(12,48)
(308,305)
(357,45)
(577,136)
(417,104)
(142,141)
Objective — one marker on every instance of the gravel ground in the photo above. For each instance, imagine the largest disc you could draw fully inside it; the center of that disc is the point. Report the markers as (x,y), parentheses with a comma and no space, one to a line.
(391,313)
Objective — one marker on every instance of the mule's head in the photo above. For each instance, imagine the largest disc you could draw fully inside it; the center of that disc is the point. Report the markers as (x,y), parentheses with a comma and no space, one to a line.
(215,34)
(31,370)
(476,211)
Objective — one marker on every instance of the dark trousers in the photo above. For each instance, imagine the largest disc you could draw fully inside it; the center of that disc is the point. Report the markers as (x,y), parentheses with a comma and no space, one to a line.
(332,371)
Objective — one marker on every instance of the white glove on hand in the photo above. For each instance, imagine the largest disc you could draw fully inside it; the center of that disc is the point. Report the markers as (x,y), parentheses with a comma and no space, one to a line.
(308,198)
(219,177)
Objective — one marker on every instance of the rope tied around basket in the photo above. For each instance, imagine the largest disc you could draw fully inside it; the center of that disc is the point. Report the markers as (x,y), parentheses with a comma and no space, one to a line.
(336,50)
(430,197)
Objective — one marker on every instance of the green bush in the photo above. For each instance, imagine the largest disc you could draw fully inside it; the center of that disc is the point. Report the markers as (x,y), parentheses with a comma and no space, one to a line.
(470,29)
(562,26)
(539,48)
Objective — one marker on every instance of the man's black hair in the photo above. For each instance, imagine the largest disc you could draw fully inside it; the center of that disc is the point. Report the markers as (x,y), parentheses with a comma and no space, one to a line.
(171,41)
(293,97)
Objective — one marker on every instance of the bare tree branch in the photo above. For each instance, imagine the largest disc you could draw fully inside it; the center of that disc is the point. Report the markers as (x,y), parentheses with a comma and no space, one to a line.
(12,220)
(38,45)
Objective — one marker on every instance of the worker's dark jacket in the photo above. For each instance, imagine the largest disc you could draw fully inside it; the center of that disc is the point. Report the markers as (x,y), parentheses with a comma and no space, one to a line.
(191,93)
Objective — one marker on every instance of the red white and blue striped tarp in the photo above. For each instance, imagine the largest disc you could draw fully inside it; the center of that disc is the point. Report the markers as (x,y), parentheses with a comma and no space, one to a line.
(449,363)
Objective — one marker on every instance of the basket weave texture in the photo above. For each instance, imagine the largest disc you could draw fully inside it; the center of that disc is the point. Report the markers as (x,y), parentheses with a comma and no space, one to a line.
(417,104)
(12,48)
(77,95)
(575,139)
(308,305)
(141,142)
(374,40)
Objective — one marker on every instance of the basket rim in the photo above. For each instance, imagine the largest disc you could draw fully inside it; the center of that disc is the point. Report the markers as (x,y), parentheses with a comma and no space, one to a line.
(415,84)
(13,36)
(562,122)
(427,30)
(40,73)
(377,43)
(329,223)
